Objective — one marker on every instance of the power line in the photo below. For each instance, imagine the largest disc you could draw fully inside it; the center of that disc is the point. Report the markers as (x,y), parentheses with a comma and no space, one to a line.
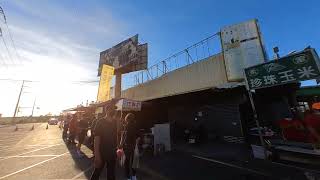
(37,81)
(5,44)
(2,12)
(10,35)
(14,46)
(3,62)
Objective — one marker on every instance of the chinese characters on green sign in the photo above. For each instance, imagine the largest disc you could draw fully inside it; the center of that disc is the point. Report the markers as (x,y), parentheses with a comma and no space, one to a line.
(297,67)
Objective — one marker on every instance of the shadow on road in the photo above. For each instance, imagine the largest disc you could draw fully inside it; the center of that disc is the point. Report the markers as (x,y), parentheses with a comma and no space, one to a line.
(82,162)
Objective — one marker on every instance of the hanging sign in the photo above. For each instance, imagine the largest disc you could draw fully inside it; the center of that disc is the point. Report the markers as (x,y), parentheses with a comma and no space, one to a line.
(301,66)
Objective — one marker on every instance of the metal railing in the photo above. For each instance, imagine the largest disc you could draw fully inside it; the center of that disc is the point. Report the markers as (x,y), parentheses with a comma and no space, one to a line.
(198,51)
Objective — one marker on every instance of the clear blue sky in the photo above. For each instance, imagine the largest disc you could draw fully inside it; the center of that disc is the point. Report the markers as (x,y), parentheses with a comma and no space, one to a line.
(169,26)
(67,36)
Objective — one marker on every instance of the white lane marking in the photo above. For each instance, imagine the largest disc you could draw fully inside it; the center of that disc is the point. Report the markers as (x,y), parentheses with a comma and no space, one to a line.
(296,167)
(40,145)
(32,151)
(3,146)
(82,173)
(12,139)
(12,148)
(44,155)
(9,140)
(26,168)
(233,166)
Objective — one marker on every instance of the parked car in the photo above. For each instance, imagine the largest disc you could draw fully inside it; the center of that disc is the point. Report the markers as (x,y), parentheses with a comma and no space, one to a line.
(53,121)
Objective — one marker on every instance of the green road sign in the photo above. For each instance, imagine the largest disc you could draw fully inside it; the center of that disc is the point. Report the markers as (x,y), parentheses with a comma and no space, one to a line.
(304,65)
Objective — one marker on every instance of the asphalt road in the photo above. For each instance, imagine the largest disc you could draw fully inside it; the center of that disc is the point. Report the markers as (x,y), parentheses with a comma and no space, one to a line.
(39,154)
(42,154)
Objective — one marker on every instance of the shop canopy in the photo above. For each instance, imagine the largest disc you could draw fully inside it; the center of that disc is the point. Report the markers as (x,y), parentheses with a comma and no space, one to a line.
(310,91)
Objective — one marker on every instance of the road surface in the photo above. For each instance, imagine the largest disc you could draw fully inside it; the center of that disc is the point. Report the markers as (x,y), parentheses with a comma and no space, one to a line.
(42,154)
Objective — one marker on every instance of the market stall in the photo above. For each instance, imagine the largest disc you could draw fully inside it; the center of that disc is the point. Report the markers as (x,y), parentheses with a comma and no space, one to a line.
(294,134)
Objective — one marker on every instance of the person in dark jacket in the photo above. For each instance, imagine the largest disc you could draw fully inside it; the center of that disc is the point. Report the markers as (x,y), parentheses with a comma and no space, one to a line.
(82,131)
(73,129)
(105,144)
(131,139)
(66,127)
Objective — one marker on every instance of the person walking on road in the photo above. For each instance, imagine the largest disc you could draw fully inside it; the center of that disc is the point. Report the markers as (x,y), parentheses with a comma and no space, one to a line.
(105,143)
(131,140)
(73,128)
(66,127)
(82,132)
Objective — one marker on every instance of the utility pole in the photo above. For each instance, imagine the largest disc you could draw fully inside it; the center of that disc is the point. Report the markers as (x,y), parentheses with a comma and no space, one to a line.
(34,103)
(17,105)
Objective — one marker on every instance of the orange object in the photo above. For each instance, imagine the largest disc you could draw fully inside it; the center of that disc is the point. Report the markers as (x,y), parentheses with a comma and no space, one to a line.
(316,106)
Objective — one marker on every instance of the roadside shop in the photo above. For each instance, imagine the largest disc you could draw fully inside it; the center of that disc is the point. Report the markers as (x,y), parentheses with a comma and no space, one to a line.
(287,123)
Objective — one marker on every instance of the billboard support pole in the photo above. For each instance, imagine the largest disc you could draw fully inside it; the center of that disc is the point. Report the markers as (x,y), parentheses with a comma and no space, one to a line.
(117,90)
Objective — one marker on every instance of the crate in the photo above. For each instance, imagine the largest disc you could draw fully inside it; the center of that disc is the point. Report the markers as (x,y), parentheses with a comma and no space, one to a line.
(258,152)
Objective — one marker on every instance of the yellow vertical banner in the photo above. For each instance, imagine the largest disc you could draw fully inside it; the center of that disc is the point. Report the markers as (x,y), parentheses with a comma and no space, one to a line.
(105,83)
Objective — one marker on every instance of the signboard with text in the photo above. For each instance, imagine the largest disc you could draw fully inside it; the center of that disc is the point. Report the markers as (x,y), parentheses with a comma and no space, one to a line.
(128,105)
(105,83)
(295,67)
(125,57)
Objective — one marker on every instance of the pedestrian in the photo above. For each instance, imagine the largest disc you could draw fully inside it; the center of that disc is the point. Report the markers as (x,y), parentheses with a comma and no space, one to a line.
(93,124)
(66,127)
(131,141)
(73,128)
(82,131)
(105,143)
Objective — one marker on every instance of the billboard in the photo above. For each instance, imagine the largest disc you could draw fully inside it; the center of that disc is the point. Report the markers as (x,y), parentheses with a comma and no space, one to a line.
(242,47)
(105,83)
(295,67)
(125,57)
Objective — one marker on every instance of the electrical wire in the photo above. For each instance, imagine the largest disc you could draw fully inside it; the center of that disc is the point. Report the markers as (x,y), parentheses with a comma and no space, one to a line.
(2,12)
(13,44)
(37,81)
(10,34)
(3,61)
(5,44)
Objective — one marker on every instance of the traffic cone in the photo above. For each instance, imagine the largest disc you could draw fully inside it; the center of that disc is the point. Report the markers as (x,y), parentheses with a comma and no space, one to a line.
(47,126)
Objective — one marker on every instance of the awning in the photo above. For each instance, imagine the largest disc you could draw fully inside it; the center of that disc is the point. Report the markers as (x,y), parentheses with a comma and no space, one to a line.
(229,85)
(309,91)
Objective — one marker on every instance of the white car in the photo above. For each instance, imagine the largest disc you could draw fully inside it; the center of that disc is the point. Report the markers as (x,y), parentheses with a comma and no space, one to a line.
(53,121)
